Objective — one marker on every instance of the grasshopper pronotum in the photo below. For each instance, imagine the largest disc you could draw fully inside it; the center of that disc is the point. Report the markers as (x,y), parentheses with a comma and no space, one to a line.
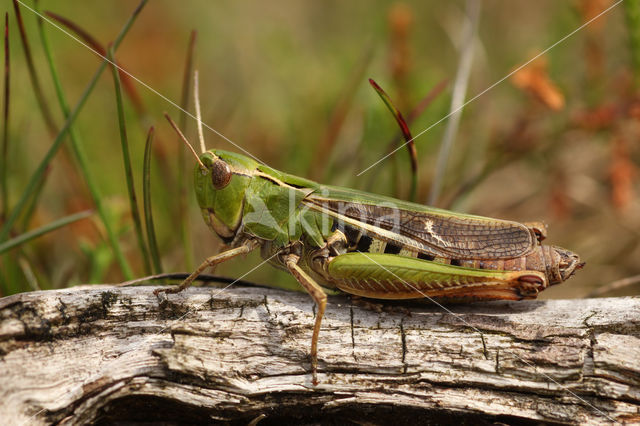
(366,244)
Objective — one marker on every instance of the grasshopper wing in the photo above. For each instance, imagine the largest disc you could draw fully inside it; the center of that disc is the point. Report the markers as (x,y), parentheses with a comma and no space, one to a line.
(424,229)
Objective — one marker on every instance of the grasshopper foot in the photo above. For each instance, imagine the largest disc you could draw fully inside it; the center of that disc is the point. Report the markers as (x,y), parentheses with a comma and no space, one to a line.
(172,290)
(161,294)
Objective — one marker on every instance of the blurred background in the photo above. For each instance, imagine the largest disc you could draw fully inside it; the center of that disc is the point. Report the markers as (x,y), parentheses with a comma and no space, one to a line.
(555,142)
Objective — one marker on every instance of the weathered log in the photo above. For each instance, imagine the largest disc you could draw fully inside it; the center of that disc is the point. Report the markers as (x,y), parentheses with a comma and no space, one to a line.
(104,354)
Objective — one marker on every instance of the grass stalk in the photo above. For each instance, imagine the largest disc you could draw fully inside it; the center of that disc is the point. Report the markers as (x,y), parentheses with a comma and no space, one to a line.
(4,187)
(81,157)
(148,211)
(183,176)
(128,170)
(126,81)
(35,178)
(128,86)
(27,236)
(33,75)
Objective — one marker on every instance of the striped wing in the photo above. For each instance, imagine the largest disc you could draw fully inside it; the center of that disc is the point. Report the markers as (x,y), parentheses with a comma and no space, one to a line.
(430,231)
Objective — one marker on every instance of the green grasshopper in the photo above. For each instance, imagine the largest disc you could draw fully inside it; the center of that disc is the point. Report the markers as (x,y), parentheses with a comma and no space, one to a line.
(366,244)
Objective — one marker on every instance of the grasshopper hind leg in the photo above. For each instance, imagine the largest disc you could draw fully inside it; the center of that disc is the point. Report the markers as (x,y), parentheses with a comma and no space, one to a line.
(319,296)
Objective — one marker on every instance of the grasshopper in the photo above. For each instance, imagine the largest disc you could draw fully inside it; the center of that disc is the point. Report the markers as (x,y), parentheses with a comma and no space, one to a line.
(364,244)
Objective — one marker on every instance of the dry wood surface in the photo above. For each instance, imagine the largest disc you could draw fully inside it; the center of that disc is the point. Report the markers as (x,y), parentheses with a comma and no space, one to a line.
(103,354)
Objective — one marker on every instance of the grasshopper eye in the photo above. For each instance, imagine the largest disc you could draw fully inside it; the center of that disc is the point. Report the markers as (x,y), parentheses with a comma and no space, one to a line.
(220,174)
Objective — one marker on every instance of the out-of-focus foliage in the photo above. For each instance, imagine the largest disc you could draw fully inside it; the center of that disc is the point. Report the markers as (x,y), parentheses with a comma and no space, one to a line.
(556,142)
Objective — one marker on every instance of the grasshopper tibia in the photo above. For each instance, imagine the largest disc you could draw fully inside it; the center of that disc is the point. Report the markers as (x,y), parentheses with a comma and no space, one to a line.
(319,296)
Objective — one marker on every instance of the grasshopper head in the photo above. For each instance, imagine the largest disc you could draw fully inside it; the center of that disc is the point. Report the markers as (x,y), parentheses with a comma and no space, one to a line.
(220,183)
(568,262)
(221,179)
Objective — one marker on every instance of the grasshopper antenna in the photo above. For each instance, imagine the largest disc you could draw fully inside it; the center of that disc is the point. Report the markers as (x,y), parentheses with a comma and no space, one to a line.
(196,99)
(184,139)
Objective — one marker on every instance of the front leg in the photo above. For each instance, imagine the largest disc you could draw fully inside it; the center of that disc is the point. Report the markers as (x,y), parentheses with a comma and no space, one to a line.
(318,295)
(245,248)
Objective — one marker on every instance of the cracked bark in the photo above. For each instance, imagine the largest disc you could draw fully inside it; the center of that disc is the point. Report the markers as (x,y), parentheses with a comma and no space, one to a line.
(102,354)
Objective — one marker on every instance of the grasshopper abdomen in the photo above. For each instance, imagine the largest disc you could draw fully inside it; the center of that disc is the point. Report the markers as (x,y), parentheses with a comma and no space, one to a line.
(371,267)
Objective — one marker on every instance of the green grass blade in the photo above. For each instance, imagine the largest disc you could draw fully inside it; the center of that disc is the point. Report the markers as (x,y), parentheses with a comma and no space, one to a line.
(126,81)
(148,212)
(83,162)
(27,236)
(183,176)
(128,170)
(35,178)
(33,75)
(4,187)
(129,88)
(85,169)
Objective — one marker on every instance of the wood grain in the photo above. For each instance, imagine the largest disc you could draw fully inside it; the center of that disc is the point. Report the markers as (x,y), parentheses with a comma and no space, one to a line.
(101,353)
